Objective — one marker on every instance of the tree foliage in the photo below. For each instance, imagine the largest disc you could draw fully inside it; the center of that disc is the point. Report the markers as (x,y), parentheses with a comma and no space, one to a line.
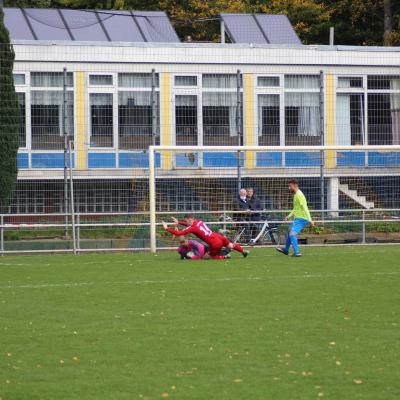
(9,119)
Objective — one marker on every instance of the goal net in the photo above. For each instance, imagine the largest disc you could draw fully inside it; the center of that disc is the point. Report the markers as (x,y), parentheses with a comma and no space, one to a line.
(353,192)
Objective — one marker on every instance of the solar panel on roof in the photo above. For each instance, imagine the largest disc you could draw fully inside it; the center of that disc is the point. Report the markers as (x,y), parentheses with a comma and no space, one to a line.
(277,28)
(242,29)
(155,26)
(121,28)
(89,25)
(16,24)
(84,25)
(47,23)
(260,28)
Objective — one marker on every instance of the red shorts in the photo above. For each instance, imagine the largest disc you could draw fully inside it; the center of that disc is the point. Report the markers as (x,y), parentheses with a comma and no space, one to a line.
(216,244)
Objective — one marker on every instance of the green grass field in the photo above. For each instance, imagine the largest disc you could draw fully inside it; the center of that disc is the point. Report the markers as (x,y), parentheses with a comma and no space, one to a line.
(139,326)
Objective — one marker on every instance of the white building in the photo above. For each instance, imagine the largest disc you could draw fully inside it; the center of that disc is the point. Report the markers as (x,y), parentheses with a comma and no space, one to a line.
(124,95)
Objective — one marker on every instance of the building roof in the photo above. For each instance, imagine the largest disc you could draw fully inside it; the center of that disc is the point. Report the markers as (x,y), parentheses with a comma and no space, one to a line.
(260,28)
(89,25)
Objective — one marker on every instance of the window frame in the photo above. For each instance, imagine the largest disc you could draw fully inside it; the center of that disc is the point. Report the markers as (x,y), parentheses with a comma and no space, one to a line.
(273,90)
(95,89)
(136,89)
(28,106)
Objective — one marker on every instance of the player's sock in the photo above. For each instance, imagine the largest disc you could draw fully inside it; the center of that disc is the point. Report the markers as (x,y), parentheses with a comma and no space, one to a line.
(238,248)
(295,244)
(218,257)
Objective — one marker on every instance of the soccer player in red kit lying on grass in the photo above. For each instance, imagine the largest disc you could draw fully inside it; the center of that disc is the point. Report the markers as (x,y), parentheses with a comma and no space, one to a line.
(215,241)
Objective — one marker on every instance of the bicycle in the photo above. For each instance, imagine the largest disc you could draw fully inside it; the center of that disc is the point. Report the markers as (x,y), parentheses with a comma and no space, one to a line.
(268,234)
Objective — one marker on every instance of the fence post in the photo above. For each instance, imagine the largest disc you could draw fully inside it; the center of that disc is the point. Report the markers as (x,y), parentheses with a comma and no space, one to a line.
(152,200)
(71,190)
(364,235)
(2,235)
(65,134)
(322,134)
(239,125)
(78,231)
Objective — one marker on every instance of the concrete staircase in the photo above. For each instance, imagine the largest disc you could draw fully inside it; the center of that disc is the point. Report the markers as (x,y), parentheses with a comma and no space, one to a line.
(353,194)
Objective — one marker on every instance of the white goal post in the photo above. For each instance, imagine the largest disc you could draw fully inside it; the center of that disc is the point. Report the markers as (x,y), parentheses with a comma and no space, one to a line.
(354,169)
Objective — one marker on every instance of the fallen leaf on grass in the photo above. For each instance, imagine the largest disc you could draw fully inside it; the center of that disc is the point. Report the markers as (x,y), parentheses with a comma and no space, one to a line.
(338,363)
(237,380)
(357,381)
(164,395)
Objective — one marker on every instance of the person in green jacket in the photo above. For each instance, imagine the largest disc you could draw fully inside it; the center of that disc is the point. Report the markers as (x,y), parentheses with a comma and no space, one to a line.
(301,218)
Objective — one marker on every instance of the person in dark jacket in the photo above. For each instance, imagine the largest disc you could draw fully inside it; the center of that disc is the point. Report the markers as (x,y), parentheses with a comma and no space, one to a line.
(254,206)
(243,204)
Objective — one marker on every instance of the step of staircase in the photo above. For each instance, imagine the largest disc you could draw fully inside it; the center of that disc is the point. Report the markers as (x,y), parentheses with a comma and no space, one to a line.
(353,194)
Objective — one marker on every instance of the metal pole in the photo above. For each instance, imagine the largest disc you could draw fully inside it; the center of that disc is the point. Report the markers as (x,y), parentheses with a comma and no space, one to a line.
(64,133)
(71,191)
(239,126)
(222,27)
(364,235)
(2,234)
(331,36)
(153,107)
(322,136)
(152,200)
(78,231)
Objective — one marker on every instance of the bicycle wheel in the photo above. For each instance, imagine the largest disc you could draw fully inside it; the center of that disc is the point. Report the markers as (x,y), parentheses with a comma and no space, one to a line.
(238,236)
(275,237)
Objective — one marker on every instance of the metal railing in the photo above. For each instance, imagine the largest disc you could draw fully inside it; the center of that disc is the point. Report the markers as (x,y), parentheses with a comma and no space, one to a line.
(108,226)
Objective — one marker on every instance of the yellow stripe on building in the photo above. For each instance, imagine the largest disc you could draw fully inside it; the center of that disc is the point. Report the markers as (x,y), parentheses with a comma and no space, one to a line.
(330,119)
(166,122)
(248,106)
(80,134)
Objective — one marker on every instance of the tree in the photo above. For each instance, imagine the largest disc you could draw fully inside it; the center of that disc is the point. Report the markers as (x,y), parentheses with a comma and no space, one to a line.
(9,119)
(387,22)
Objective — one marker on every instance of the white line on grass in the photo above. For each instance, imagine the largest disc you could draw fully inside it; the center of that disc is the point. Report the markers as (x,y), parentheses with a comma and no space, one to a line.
(128,260)
(174,281)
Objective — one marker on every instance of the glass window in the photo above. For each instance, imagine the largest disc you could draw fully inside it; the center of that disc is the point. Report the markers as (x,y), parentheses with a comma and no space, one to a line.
(182,80)
(137,127)
(268,81)
(101,80)
(22,120)
(19,79)
(302,81)
(219,81)
(350,82)
(220,118)
(350,126)
(186,120)
(383,118)
(137,80)
(47,119)
(101,117)
(51,79)
(268,120)
(302,119)
(378,82)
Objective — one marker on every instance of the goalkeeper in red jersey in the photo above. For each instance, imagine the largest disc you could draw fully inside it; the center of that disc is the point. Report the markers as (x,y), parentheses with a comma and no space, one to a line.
(215,241)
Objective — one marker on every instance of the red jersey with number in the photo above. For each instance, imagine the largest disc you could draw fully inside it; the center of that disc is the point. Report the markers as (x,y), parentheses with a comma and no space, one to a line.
(199,229)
